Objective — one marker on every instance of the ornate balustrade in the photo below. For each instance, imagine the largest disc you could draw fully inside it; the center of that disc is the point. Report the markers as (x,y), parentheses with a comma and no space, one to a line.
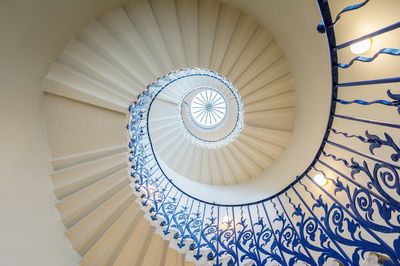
(355,214)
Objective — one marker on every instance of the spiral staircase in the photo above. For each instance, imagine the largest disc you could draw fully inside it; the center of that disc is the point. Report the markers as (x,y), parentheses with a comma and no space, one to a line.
(142,177)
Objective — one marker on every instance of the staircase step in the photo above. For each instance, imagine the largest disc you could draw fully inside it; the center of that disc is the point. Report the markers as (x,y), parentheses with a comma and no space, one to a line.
(72,179)
(73,207)
(75,159)
(165,12)
(280,85)
(107,248)
(142,62)
(228,176)
(272,119)
(257,44)
(188,19)
(208,17)
(85,233)
(246,161)
(227,22)
(82,59)
(142,17)
(156,251)
(245,29)
(65,82)
(278,67)
(134,250)
(277,137)
(269,149)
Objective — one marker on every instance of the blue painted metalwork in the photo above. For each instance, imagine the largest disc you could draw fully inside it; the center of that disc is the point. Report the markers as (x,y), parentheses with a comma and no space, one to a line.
(349,8)
(388,51)
(362,102)
(369,82)
(368,121)
(368,36)
(347,135)
(395,102)
(375,142)
(227,241)
(358,212)
(338,219)
(310,226)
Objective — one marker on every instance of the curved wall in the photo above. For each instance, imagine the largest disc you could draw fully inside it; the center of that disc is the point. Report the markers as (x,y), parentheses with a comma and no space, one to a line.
(32,35)
(297,37)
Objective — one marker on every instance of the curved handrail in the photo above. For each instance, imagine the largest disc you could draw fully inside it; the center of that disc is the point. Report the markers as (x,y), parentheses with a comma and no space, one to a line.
(232,134)
(305,221)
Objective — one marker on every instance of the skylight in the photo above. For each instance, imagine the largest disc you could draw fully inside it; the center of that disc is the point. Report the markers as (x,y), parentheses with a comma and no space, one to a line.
(208,108)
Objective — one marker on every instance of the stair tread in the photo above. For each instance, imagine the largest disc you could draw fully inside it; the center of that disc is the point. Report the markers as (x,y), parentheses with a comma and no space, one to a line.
(88,230)
(106,249)
(74,206)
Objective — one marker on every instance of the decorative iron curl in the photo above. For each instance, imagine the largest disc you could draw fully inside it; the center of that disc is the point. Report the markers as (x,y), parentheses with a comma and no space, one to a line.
(266,244)
(364,59)
(337,222)
(363,203)
(384,178)
(394,96)
(227,243)
(349,8)
(362,102)
(246,243)
(321,28)
(337,159)
(375,142)
(288,241)
(347,135)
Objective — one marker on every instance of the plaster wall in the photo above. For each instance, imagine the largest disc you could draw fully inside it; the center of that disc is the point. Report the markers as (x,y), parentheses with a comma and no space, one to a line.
(32,34)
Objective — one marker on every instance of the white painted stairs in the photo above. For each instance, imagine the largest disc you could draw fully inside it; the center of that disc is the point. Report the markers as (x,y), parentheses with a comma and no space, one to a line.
(102,71)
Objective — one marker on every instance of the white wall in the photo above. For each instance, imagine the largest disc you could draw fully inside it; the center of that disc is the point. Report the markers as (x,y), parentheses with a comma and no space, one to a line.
(32,35)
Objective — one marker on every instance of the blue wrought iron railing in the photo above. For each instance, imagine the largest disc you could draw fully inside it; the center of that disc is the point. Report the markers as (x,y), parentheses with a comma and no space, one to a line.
(358,213)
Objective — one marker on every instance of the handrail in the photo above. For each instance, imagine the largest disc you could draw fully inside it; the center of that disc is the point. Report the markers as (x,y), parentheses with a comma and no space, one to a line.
(305,221)
(211,143)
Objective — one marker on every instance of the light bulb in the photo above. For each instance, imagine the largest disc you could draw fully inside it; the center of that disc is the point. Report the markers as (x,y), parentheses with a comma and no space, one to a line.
(361,47)
(320,179)
(225,223)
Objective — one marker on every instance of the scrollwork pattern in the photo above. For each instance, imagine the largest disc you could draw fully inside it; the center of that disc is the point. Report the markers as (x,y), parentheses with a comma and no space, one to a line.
(209,238)
(227,242)
(314,237)
(296,233)
(180,218)
(375,142)
(288,241)
(245,241)
(364,205)
(337,223)
(383,177)
(267,244)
